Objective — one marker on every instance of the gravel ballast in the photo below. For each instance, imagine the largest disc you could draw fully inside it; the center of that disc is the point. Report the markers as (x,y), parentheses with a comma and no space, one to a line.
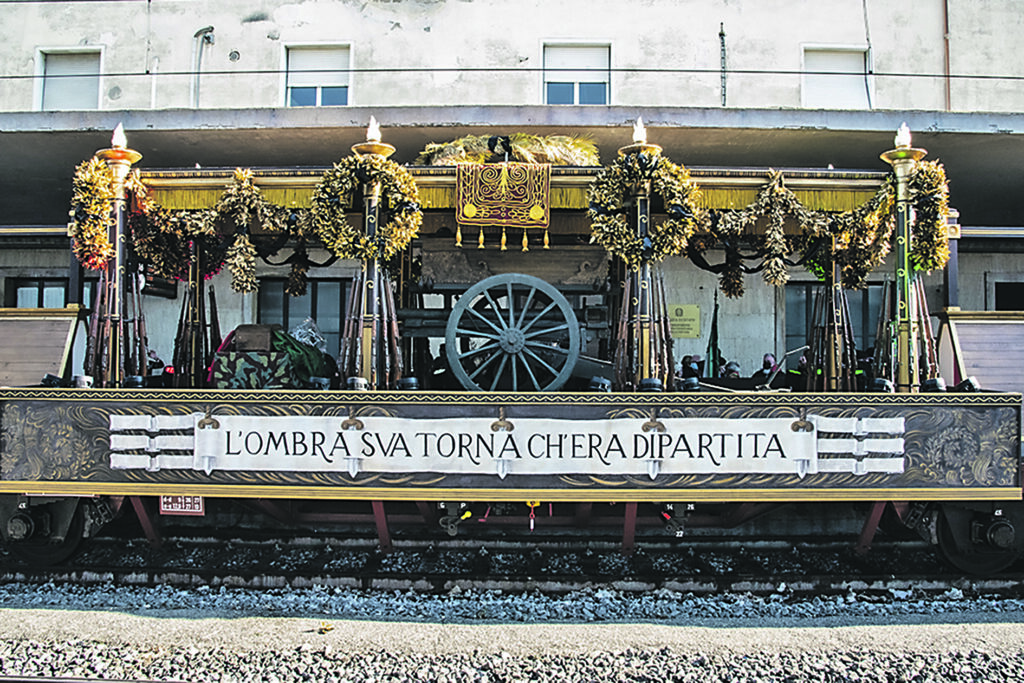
(350,635)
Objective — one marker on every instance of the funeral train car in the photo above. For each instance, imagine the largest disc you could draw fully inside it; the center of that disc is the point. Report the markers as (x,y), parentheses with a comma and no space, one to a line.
(521,340)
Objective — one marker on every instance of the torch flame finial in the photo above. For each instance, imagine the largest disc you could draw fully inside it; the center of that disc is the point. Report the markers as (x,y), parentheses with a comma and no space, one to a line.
(373,131)
(639,132)
(118,139)
(903,135)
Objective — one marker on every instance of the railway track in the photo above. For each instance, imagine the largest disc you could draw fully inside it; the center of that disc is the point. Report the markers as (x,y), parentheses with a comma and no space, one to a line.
(555,566)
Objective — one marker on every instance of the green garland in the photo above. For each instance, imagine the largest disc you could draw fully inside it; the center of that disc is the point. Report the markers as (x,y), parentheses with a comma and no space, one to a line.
(242,206)
(929,192)
(400,205)
(609,196)
(857,241)
(92,218)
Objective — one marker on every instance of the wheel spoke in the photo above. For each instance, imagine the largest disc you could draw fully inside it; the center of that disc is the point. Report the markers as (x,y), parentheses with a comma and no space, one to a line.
(511,307)
(526,307)
(483,365)
(497,375)
(541,361)
(537,333)
(537,317)
(545,347)
(495,308)
(477,351)
(529,371)
(484,319)
(476,333)
(515,374)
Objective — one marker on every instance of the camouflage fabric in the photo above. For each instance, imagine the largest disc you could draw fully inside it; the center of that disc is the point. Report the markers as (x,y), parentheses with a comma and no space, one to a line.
(254,370)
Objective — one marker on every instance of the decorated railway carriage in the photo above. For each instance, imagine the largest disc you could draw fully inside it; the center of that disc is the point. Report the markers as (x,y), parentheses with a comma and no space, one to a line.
(506,363)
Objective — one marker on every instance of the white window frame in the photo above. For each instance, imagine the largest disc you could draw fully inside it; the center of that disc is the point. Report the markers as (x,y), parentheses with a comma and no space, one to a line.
(868,73)
(40,69)
(570,76)
(300,46)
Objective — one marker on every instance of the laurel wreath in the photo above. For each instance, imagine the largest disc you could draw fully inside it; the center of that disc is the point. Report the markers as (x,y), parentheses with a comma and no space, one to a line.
(400,214)
(610,196)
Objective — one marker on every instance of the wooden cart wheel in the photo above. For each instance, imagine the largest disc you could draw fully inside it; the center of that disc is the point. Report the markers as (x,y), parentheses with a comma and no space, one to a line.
(512,332)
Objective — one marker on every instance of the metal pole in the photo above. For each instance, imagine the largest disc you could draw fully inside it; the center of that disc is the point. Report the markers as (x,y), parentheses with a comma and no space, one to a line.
(642,291)
(371,313)
(904,160)
(119,159)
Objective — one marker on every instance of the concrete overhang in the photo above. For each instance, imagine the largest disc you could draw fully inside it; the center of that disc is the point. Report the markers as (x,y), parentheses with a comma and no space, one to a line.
(983,153)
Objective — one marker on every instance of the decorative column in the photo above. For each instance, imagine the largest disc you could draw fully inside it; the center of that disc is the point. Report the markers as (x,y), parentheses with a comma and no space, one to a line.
(904,160)
(644,348)
(373,300)
(111,371)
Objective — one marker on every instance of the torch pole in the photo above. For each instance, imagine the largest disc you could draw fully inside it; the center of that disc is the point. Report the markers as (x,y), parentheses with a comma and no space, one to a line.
(904,160)
(119,159)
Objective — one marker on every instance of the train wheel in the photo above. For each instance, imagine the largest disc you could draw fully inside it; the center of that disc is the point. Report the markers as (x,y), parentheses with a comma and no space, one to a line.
(512,332)
(978,542)
(43,551)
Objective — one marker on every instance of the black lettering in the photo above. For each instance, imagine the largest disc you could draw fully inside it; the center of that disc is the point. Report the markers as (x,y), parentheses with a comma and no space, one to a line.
(446,445)
(250,440)
(638,452)
(485,444)
(278,442)
(509,446)
(339,443)
(318,445)
(614,445)
(682,446)
(775,445)
(529,446)
(577,445)
(465,448)
(664,441)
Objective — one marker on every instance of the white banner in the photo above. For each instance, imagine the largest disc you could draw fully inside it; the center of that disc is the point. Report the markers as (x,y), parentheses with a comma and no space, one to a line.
(474,446)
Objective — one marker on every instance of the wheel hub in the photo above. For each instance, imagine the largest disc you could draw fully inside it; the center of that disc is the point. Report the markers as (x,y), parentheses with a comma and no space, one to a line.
(512,340)
(20,527)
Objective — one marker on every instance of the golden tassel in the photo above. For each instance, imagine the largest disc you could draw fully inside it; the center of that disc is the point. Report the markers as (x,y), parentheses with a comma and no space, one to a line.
(480,240)
(526,244)
(458,235)
(546,244)
(503,241)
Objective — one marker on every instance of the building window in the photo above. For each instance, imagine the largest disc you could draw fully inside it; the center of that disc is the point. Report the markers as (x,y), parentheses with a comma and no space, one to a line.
(864,304)
(576,74)
(22,292)
(317,77)
(1009,296)
(836,79)
(71,80)
(324,302)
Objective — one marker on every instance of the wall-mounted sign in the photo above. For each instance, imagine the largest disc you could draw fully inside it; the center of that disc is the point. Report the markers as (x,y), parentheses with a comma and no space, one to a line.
(684,319)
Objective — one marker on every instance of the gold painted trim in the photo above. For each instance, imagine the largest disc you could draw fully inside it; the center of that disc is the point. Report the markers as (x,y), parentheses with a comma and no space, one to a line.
(660,495)
(722,188)
(72,311)
(40,230)
(485,400)
(956,315)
